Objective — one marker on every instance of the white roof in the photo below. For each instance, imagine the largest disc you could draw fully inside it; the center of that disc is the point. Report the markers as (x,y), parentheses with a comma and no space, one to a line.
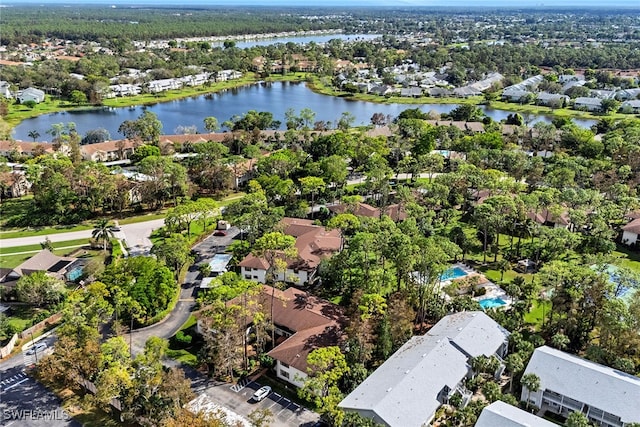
(403,391)
(501,414)
(596,385)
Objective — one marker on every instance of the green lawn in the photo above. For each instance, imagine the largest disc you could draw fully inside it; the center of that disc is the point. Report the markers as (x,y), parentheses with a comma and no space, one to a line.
(627,258)
(535,316)
(183,356)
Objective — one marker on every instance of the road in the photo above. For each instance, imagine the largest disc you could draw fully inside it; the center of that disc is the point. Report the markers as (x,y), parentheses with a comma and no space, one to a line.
(136,236)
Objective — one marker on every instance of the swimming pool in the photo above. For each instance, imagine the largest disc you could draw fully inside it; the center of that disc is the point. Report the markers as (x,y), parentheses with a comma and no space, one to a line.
(453,273)
(491,303)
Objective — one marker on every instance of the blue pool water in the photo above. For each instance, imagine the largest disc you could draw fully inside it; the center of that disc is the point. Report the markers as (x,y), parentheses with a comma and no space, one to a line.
(453,273)
(491,303)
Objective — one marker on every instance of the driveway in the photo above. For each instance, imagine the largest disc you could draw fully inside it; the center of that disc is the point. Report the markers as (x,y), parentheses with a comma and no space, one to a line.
(180,314)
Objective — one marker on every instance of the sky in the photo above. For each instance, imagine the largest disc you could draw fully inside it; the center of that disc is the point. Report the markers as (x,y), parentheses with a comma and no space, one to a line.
(329,3)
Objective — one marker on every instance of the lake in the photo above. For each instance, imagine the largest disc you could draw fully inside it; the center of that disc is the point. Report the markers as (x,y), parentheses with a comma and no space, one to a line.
(302,39)
(273,97)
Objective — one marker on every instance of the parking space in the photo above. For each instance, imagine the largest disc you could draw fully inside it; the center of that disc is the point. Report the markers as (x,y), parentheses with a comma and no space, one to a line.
(26,403)
(238,398)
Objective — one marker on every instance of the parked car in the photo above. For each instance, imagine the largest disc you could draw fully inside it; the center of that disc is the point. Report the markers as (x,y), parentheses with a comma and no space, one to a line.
(261,393)
(220,233)
(38,348)
(116,229)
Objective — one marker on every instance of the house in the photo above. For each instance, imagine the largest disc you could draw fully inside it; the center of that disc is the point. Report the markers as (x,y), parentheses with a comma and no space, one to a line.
(313,243)
(411,92)
(554,100)
(630,232)
(12,148)
(408,388)
(13,184)
(302,323)
(631,106)
(358,209)
(439,92)
(64,268)
(546,217)
(623,95)
(587,103)
(501,414)
(515,95)
(568,383)
(108,150)
(30,94)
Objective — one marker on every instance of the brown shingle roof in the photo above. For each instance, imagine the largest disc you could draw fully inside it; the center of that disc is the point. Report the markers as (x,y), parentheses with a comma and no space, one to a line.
(314,322)
(42,261)
(633,226)
(361,209)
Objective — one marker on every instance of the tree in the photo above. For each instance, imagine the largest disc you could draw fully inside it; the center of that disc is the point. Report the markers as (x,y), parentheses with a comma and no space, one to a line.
(514,364)
(143,151)
(174,251)
(146,128)
(260,417)
(275,247)
(532,383)
(34,134)
(211,124)
(326,367)
(609,105)
(577,419)
(103,232)
(312,185)
(39,289)
(78,97)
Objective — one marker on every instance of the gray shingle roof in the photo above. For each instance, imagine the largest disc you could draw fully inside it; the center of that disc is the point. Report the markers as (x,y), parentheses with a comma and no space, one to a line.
(501,414)
(596,385)
(403,391)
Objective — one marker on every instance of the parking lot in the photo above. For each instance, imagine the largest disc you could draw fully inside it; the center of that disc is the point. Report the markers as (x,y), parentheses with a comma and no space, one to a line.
(26,403)
(238,399)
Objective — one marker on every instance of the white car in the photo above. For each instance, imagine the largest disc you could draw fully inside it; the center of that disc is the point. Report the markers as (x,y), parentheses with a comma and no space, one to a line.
(261,393)
(38,348)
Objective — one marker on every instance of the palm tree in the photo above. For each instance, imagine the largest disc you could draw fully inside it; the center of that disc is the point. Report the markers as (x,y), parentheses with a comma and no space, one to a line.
(532,383)
(34,134)
(103,231)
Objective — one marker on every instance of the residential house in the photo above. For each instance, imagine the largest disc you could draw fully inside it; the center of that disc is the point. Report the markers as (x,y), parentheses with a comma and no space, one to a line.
(554,100)
(313,243)
(439,92)
(124,89)
(30,94)
(108,150)
(630,232)
(515,95)
(410,386)
(603,94)
(156,86)
(568,383)
(546,217)
(302,323)
(501,414)
(411,92)
(631,106)
(466,92)
(628,94)
(13,184)
(65,268)
(587,103)
(11,149)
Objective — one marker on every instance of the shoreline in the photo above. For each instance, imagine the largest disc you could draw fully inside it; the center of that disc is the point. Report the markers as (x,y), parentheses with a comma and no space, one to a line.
(313,83)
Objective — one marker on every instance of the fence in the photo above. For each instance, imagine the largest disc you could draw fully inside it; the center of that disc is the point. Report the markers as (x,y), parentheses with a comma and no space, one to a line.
(7,349)
(41,325)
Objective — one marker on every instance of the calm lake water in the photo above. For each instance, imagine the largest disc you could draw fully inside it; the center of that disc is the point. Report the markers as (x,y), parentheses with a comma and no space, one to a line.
(319,39)
(273,97)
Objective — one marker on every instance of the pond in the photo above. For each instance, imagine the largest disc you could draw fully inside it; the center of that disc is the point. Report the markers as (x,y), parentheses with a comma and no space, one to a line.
(276,98)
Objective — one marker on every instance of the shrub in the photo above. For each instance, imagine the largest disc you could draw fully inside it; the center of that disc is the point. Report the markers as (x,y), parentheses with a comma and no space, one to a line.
(183,338)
